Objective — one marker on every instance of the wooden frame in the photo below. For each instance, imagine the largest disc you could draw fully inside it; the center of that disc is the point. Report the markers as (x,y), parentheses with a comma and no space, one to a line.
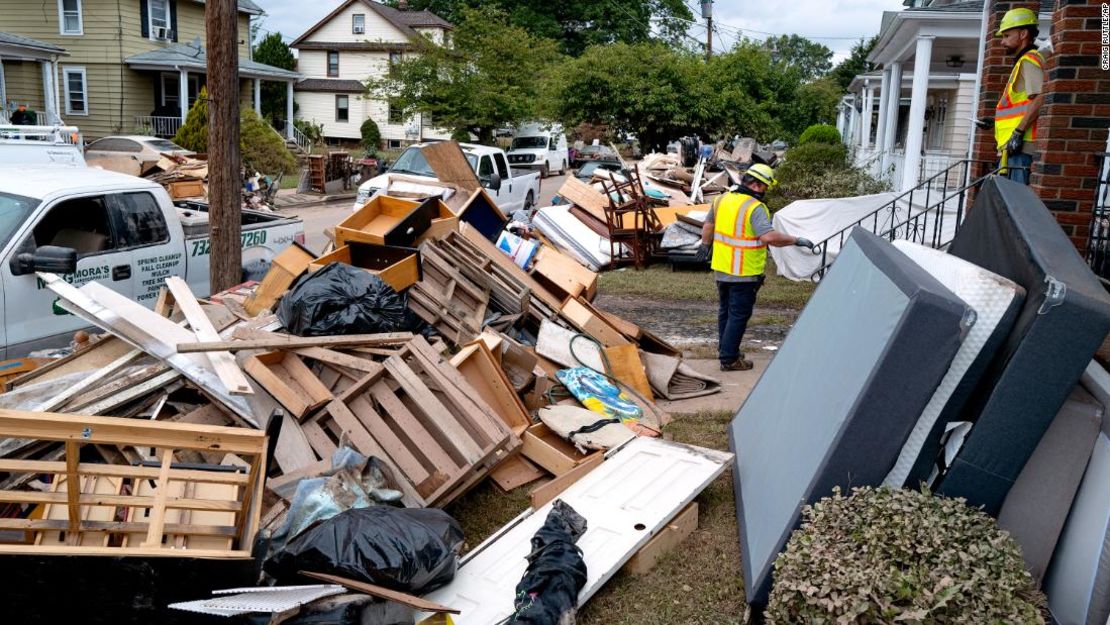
(107,491)
(419,416)
(289,380)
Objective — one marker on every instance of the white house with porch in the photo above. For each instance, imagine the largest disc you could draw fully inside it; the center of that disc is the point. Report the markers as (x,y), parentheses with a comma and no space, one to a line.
(912,117)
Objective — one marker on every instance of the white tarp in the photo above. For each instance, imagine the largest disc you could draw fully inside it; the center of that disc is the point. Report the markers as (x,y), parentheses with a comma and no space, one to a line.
(818,220)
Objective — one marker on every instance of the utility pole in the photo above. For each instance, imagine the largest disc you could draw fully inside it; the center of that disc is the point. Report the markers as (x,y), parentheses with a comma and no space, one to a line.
(707,13)
(224,180)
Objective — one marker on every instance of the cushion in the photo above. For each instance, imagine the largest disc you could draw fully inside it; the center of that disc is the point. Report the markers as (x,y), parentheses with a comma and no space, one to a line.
(1065,317)
(841,395)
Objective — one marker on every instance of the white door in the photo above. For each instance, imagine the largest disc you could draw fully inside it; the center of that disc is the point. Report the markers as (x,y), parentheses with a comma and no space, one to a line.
(31,315)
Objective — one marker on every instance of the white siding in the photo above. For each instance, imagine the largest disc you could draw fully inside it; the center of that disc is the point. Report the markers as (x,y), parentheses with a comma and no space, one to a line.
(377,28)
(353,65)
(320,108)
(958,123)
(435,34)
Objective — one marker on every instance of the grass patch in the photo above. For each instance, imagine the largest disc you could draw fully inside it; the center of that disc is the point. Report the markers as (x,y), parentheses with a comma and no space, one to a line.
(290,179)
(659,282)
(698,583)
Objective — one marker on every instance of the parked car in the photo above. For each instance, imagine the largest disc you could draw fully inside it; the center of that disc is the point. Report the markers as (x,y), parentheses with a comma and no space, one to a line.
(511,189)
(143,149)
(91,225)
(585,173)
(594,153)
(539,146)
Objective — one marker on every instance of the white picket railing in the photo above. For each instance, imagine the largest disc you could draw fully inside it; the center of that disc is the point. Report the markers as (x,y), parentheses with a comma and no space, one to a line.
(159,126)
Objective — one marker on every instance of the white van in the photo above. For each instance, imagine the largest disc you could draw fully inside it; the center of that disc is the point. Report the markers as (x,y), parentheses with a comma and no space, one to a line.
(540,146)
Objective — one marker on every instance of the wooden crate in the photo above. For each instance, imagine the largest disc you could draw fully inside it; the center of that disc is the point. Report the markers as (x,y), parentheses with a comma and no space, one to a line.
(284,270)
(419,416)
(448,299)
(550,451)
(185,188)
(289,380)
(224,503)
(477,364)
(399,267)
(383,220)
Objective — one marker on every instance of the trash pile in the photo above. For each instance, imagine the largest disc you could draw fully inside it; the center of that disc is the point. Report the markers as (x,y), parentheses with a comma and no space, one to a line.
(284,447)
(966,372)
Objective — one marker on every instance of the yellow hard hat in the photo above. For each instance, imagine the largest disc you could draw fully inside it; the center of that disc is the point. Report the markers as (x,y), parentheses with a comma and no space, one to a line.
(1016,18)
(763,173)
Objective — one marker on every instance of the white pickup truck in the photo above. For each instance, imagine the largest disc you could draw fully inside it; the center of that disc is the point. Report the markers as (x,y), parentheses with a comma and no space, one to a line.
(45,145)
(95,225)
(511,189)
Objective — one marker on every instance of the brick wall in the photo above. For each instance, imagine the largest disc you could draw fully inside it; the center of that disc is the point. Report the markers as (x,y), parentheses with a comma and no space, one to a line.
(1072,128)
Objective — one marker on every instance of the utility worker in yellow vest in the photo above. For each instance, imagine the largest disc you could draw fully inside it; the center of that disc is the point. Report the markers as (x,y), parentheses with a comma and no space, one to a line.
(1015,115)
(739,228)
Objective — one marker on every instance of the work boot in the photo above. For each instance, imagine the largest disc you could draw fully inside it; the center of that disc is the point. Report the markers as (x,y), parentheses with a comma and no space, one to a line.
(740,364)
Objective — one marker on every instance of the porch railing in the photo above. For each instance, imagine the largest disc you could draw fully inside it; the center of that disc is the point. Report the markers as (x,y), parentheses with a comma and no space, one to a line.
(159,126)
(1098,239)
(930,213)
(299,138)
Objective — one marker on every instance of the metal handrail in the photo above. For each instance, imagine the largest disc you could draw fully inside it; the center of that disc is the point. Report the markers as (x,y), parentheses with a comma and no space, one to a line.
(1098,236)
(890,226)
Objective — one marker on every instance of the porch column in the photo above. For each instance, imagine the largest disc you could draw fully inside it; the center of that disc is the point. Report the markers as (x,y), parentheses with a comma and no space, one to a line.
(3,89)
(289,109)
(183,93)
(868,109)
(839,114)
(258,96)
(891,127)
(884,106)
(916,131)
(48,98)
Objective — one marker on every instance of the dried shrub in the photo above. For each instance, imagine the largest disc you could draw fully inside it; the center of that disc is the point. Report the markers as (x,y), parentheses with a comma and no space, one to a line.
(900,557)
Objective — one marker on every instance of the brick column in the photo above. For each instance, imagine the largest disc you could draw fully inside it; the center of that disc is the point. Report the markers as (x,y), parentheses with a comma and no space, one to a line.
(996,69)
(1074,118)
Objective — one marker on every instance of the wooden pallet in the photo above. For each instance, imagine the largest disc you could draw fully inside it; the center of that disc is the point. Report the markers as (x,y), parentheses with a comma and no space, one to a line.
(421,417)
(127,510)
(448,299)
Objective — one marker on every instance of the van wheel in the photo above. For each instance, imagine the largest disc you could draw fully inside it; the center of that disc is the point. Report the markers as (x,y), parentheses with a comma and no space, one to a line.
(529,203)
(543,171)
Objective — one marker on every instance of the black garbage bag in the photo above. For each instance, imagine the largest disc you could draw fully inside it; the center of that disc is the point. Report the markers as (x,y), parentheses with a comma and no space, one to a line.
(411,550)
(548,592)
(341,299)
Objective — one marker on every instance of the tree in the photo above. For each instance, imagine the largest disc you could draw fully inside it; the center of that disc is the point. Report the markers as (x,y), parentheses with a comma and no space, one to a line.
(488,77)
(193,134)
(578,24)
(809,59)
(855,64)
(263,149)
(371,136)
(271,50)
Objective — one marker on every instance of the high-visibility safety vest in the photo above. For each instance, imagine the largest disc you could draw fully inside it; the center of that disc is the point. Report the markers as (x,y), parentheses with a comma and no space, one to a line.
(736,248)
(1014,104)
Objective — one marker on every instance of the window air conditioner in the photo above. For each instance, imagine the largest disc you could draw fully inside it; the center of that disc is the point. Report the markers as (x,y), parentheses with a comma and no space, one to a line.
(359,30)
(161,32)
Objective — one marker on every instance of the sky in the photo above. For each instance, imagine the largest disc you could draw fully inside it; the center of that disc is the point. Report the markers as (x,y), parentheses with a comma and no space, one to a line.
(836,24)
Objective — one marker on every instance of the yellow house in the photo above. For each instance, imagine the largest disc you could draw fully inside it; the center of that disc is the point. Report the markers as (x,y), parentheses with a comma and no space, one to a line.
(116,66)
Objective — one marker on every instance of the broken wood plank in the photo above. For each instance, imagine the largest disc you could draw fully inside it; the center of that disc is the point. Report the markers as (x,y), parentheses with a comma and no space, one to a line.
(447,160)
(627,367)
(224,364)
(289,380)
(280,341)
(584,196)
(667,540)
(382,593)
(515,471)
(93,379)
(591,324)
(544,493)
(284,270)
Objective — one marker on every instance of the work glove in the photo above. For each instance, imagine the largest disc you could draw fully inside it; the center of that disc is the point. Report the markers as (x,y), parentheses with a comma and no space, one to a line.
(1014,145)
(985,123)
(702,256)
(803,242)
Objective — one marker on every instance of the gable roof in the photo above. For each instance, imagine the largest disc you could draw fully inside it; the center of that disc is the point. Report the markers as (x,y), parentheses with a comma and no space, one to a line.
(403,21)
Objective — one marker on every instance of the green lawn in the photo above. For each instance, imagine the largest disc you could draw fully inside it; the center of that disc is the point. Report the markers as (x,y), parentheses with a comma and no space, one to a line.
(659,282)
(698,583)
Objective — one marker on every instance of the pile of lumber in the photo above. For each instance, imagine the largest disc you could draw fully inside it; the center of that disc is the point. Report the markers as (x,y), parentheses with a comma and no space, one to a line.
(182,176)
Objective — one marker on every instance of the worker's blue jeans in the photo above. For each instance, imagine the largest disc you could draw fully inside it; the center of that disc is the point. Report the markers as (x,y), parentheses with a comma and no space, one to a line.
(1018,167)
(735,303)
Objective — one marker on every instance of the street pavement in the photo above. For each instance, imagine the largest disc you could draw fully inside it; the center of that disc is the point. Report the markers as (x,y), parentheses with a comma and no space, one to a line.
(321,216)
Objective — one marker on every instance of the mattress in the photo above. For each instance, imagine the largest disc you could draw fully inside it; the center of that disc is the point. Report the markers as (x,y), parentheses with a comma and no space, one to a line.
(995,302)
(842,394)
(1037,506)
(1065,317)
(573,237)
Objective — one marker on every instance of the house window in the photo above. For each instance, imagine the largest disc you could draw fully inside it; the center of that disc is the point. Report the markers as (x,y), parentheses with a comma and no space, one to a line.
(77,101)
(69,17)
(159,19)
(342,110)
(358,24)
(394,59)
(396,115)
(393,144)
(333,63)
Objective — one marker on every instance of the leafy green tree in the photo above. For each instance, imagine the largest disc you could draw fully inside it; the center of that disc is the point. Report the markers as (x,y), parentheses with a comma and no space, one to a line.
(271,50)
(193,134)
(578,24)
(813,103)
(261,148)
(488,76)
(809,59)
(371,136)
(855,64)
